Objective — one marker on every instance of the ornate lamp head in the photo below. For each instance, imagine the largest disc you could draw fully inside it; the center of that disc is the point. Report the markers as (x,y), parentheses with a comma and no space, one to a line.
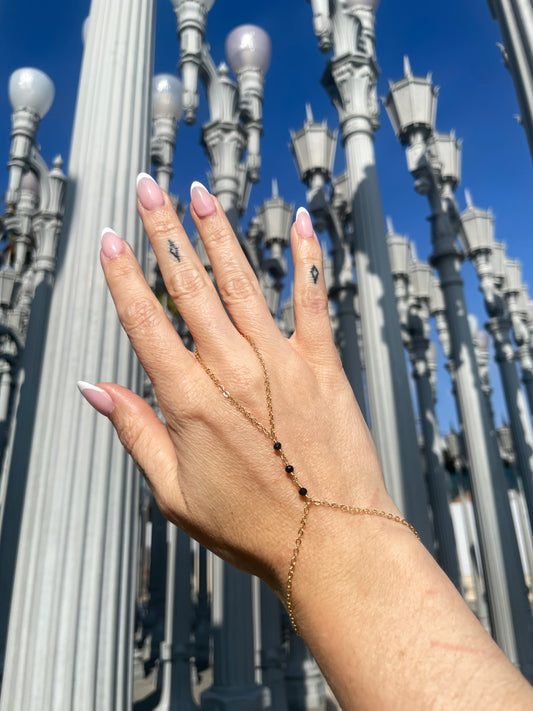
(411,105)
(478,228)
(399,252)
(313,148)
(448,153)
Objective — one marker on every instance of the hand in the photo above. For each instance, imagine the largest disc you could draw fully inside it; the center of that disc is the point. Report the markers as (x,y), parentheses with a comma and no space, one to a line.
(212,472)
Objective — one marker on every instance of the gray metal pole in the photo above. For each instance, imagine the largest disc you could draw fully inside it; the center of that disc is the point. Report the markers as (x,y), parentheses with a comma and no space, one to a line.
(176,649)
(272,655)
(70,634)
(506,591)
(351,82)
(519,418)
(446,550)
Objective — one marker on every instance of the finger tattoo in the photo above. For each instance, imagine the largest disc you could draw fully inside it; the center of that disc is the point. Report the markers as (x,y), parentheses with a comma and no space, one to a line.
(174,250)
(314,273)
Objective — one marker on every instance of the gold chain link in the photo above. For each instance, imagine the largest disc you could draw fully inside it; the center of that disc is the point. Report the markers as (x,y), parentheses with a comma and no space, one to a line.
(289,469)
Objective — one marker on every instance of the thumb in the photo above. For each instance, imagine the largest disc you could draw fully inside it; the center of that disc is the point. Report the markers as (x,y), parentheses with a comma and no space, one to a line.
(144,437)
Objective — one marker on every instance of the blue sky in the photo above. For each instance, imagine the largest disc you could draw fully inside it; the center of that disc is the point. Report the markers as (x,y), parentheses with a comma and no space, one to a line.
(455,40)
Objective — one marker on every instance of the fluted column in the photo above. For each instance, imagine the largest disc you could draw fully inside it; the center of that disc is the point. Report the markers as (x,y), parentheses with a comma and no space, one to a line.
(70,635)
(515,18)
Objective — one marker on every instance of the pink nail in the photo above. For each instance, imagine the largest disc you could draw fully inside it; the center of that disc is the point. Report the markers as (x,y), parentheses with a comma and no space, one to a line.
(97,397)
(203,203)
(304,226)
(149,193)
(112,245)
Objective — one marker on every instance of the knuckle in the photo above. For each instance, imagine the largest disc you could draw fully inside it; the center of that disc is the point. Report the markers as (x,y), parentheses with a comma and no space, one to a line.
(219,233)
(141,314)
(237,289)
(161,229)
(185,282)
(315,301)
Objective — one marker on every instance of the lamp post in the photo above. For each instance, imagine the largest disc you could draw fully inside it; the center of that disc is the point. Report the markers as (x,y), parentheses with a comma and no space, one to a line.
(31,93)
(513,294)
(275,218)
(167,109)
(235,126)
(411,105)
(34,218)
(412,282)
(74,583)
(235,123)
(516,24)
(478,235)
(350,80)
(313,148)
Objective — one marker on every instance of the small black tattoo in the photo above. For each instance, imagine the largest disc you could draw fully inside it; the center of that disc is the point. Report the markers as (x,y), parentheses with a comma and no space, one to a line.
(314,273)
(173,249)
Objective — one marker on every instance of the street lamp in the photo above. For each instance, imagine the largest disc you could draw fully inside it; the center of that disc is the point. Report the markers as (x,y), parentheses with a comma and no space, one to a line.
(313,147)
(412,283)
(31,93)
(167,109)
(348,27)
(411,105)
(275,217)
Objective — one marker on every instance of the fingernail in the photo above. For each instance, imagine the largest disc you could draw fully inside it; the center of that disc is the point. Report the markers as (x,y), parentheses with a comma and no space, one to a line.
(96,397)
(149,193)
(112,245)
(304,226)
(203,203)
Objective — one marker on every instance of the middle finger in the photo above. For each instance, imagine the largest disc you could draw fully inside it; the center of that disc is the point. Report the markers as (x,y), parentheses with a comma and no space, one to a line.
(186,280)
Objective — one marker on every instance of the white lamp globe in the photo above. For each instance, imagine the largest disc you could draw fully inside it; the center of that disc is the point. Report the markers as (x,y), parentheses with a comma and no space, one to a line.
(248,47)
(167,93)
(31,89)
(208,4)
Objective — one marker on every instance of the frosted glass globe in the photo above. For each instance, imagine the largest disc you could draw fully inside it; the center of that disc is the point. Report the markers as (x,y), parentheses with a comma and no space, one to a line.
(248,47)
(32,89)
(167,96)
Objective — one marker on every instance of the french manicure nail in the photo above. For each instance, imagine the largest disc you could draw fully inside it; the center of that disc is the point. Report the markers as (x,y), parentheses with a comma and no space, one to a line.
(96,397)
(203,203)
(304,226)
(112,245)
(149,193)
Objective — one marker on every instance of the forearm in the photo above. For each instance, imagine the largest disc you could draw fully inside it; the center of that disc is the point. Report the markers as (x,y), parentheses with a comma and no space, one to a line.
(388,628)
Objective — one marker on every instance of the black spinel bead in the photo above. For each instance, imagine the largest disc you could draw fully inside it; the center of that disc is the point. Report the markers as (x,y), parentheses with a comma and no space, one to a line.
(289,468)
(277,446)
(303,491)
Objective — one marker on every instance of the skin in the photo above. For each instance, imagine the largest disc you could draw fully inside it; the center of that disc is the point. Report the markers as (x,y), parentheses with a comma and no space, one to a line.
(386,626)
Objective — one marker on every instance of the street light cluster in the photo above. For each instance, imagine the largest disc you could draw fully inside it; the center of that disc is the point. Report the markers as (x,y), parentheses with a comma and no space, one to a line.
(381,297)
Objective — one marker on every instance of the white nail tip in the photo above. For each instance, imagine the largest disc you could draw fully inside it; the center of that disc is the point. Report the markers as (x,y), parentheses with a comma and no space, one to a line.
(106,230)
(141,176)
(198,184)
(301,210)
(82,385)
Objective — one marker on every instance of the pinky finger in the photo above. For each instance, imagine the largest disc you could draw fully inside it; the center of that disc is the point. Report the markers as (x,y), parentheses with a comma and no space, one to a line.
(311,315)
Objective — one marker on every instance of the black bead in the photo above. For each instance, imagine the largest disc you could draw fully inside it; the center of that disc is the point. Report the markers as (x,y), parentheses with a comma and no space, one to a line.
(289,468)
(303,491)
(277,446)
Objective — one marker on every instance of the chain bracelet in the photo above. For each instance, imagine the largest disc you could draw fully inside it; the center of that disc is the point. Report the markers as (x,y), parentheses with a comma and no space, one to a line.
(289,469)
